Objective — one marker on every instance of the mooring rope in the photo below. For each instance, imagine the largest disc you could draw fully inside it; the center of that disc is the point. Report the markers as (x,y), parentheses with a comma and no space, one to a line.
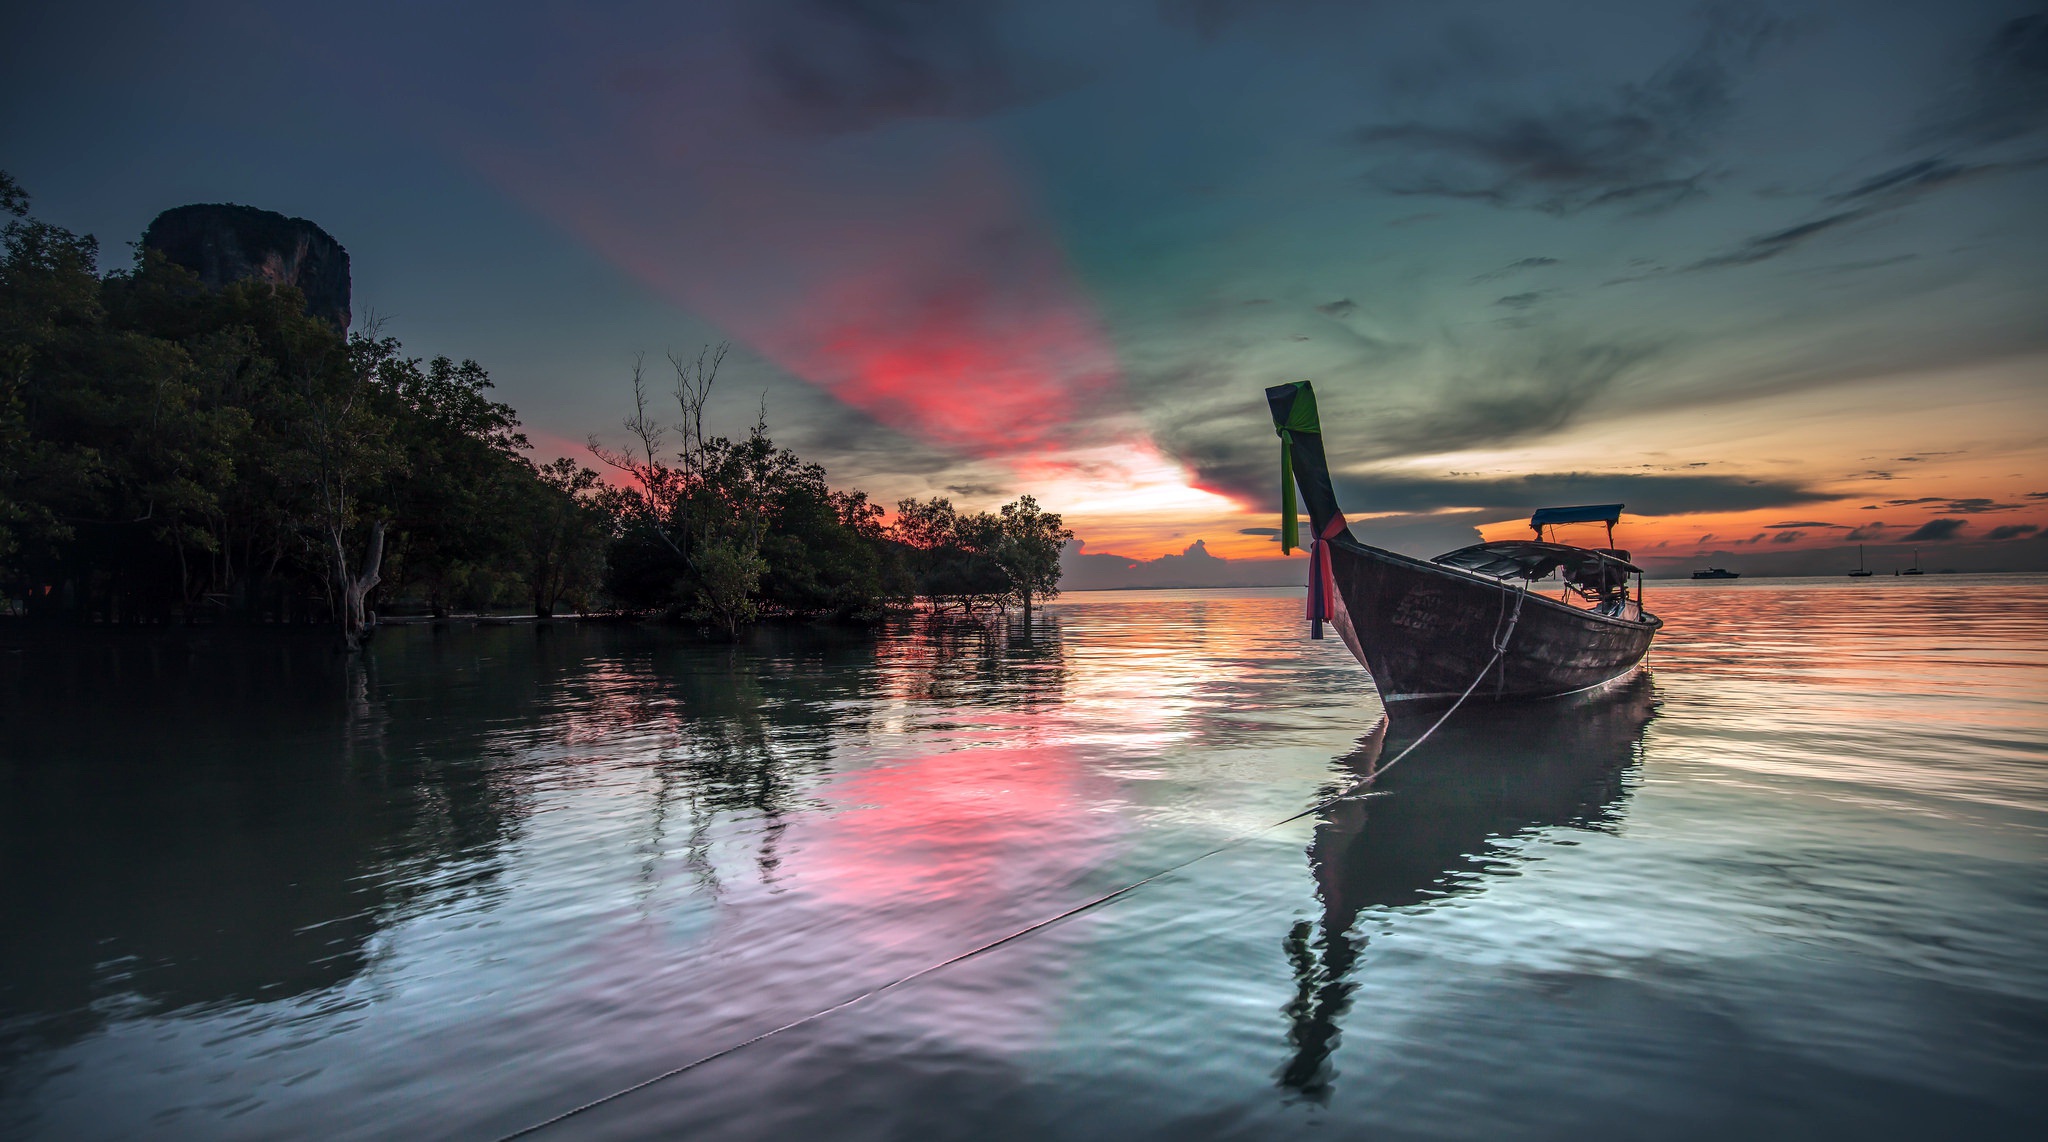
(1500,647)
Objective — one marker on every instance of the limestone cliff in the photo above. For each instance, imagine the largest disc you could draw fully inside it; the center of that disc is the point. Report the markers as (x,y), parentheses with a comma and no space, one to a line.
(224,243)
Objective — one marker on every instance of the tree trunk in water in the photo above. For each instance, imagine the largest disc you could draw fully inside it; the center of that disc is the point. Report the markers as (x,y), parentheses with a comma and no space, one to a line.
(356,588)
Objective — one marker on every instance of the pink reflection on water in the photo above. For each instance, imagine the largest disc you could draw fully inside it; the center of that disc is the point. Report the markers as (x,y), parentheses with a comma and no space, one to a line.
(960,837)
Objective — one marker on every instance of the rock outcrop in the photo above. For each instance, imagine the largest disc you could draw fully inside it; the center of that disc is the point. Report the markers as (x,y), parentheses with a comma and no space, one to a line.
(225,243)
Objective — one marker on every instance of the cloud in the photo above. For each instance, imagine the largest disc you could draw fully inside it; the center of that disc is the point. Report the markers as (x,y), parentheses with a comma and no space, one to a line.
(2003,93)
(1867,531)
(1082,570)
(1766,246)
(2011,531)
(2005,96)
(1513,268)
(1531,386)
(1913,178)
(1539,389)
(1788,537)
(1802,523)
(1909,503)
(1521,300)
(1936,530)
(1636,145)
(1258,531)
(833,66)
(1977,505)
(1646,495)
(2037,495)
(1342,307)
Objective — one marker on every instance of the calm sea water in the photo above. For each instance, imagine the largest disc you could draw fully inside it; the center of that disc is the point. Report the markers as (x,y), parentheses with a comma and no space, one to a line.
(1787,882)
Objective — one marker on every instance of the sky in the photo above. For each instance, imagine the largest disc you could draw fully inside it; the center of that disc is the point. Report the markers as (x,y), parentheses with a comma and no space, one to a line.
(1772,274)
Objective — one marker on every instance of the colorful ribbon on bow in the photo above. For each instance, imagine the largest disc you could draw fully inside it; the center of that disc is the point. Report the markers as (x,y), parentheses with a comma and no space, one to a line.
(1322,580)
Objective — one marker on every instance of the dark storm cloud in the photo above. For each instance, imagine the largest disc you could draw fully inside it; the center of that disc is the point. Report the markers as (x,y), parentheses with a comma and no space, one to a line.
(2011,531)
(1644,495)
(1638,145)
(1539,392)
(1529,388)
(1513,268)
(1647,495)
(1936,530)
(2004,92)
(844,65)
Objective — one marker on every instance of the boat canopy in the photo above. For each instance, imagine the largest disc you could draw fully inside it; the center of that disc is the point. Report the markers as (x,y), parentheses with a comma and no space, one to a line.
(1532,559)
(1609,514)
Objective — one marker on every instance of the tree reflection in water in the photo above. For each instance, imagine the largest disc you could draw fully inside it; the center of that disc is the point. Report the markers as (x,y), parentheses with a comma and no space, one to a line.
(206,818)
(197,819)
(1490,773)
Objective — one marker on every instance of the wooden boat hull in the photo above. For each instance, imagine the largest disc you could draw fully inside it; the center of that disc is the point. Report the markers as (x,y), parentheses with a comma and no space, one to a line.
(1424,632)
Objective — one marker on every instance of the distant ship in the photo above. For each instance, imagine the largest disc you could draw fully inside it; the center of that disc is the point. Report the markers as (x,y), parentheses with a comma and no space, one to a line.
(1717,573)
(1861,571)
(1915,568)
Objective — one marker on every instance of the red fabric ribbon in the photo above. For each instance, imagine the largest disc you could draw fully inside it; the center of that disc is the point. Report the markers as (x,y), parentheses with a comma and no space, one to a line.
(1322,581)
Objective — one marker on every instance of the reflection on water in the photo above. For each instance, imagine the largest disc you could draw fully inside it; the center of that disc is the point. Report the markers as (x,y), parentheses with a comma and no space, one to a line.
(1427,831)
(487,873)
(195,828)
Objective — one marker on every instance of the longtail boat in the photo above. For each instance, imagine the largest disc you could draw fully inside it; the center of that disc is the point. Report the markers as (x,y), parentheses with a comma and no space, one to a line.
(1470,622)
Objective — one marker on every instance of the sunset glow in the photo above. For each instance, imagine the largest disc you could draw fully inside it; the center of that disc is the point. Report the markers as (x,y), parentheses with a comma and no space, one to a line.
(960,260)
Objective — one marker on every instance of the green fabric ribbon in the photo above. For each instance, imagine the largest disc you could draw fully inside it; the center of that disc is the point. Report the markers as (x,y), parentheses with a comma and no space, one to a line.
(1301,417)
(1290,527)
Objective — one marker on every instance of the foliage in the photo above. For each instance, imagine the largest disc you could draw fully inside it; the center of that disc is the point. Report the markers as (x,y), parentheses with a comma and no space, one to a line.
(982,561)
(1029,552)
(727,529)
(173,452)
(169,451)
(953,555)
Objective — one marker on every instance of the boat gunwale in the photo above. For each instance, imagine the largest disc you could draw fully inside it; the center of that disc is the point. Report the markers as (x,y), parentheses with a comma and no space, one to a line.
(1352,542)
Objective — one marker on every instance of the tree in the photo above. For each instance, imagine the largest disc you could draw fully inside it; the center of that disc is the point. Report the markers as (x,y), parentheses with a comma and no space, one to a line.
(464,475)
(952,555)
(348,450)
(48,293)
(1029,551)
(699,522)
(566,523)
